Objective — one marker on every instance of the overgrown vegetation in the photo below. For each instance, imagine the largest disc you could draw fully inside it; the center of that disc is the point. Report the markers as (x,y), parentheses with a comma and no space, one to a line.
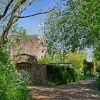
(62,74)
(88,68)
(83,77)
(98,81)
(24,75)
(68,73)
(74,28)
(11,85)
(77,58)
(98,76)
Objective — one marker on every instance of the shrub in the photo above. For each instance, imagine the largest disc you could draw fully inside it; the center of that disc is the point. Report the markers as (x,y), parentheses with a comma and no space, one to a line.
(98,81)
(98,76)
(24,76)
(98,66)
(11,86)
(61,74)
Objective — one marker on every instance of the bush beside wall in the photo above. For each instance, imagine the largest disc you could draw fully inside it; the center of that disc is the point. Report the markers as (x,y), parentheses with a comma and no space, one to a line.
(61,74)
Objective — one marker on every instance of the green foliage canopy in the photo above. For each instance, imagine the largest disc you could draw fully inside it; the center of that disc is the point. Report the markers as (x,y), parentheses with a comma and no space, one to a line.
(77,58)
(74,28)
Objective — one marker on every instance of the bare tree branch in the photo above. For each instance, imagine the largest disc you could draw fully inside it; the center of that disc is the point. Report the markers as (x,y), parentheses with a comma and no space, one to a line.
(36,14)
(6,9)
(13,17)
(10,22)
(19,12)
(29,4)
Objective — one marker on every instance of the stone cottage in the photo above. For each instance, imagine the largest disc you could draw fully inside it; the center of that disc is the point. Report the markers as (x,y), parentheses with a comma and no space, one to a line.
(25,53)
(34,45)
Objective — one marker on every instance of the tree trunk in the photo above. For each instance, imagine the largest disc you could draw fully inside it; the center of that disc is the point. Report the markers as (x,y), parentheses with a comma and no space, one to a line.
(3,42)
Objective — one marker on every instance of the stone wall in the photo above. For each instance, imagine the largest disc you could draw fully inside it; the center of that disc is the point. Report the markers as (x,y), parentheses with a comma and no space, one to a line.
(35,46)
(38,73)
(25,53)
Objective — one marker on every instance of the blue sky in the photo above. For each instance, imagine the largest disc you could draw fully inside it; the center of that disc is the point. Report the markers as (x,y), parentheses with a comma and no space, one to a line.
(31,24)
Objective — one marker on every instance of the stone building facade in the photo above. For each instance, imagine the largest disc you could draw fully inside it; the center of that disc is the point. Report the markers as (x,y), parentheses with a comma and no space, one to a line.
(24,53)
(37,73)
(34,46)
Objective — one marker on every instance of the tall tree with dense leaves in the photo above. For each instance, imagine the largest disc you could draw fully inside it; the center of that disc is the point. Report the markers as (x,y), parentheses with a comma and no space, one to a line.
(74,28)
(90,13)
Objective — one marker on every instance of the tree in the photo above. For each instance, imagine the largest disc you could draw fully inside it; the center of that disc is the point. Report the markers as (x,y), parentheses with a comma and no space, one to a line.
(90,13)
(97,52)
(64,31)
(57,58)
(77,58)
(88,67)
(10,13)
(11,84)
(76,27)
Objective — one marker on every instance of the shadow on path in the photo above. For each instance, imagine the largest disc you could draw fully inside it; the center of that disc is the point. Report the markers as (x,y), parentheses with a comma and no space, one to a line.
(83,90)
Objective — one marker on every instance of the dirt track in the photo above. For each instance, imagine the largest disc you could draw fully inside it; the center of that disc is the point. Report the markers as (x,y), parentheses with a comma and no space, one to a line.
(83,90)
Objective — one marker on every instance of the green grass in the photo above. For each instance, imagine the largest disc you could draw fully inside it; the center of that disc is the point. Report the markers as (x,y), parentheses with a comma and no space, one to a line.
(83,77)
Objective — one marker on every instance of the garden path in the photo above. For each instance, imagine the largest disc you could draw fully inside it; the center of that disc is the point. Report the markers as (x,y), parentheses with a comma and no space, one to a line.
(82,90)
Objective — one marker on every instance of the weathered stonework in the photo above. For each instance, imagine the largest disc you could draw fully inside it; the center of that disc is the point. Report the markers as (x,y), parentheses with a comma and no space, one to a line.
(38,73)
(34,46)
(25,54)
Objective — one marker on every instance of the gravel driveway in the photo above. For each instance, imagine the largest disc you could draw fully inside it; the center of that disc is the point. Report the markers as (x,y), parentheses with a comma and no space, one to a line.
(82,90)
